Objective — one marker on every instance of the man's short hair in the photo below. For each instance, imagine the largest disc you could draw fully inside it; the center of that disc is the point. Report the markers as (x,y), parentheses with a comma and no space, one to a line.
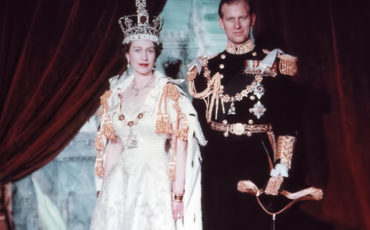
(249,3)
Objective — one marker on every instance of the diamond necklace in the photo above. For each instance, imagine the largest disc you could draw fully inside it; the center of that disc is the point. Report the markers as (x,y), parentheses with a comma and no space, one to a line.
(137,90)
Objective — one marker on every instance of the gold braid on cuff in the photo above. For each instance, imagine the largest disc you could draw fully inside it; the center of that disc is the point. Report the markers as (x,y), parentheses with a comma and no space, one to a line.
(284,149)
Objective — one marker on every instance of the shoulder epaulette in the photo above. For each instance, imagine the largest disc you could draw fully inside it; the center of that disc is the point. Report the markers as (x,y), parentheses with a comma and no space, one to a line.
(287,63)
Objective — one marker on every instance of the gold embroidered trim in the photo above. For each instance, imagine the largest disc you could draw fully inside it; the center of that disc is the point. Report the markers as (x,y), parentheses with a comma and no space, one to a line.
(242,49)
(284,149)
(106,131)
(244,93)
(104,102)
(273,185)
(272,140)
(287,64)
(239,129)
(163,124)
(192,74)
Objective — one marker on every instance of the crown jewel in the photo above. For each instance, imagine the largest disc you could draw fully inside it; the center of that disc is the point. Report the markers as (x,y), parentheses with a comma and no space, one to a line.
(140,26)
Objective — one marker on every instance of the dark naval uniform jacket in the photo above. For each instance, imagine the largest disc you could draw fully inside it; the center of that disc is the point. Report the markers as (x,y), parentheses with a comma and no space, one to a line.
(243,109)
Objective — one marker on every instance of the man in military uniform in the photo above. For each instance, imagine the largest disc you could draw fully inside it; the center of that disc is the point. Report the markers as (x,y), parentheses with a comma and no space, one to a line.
(244,99)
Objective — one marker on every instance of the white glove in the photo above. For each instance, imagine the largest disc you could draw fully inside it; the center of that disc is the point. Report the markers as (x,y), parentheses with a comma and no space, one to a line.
(280,169)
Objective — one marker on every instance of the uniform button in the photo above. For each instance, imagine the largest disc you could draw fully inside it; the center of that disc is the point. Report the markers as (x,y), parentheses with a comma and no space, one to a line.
(254,54)
(251,110)
(221,66)
(252,97)
(249,134)
(250,121)
(223,56)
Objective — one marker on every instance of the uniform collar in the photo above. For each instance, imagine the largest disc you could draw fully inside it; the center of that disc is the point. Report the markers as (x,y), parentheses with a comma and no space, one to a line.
(241,49)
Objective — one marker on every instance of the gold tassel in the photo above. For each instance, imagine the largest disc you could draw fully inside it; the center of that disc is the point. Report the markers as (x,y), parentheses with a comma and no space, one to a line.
(172,170)
(163,124)
(106,130)
(99,168)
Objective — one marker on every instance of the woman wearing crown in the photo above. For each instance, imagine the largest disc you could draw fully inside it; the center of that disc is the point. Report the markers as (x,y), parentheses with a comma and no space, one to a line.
(148,162)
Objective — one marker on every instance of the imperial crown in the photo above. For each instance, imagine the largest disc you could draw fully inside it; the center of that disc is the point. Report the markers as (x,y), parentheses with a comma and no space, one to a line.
(140,26)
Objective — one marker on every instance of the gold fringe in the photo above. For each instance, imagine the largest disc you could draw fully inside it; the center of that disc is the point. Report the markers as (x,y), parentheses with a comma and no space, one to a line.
(216,85)
(163,124)
(105,131)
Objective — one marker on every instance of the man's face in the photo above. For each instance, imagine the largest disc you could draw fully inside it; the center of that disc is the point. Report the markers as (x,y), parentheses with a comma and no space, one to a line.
(236,22)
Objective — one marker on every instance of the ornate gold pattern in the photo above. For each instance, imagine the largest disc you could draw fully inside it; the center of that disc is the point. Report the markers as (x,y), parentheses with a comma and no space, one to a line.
(107,128)
(206,71)
(242,49)
(105,132)
(239,128)
(215,88)
(104,102)
(284,149)
(163,124)
(244,93)
(288,66)
(274,185)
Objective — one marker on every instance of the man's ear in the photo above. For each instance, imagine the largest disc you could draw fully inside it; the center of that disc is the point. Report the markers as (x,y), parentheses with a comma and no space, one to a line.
(221,23)
(253,19)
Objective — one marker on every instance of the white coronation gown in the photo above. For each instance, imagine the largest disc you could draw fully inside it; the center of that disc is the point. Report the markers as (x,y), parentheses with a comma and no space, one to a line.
(135,192)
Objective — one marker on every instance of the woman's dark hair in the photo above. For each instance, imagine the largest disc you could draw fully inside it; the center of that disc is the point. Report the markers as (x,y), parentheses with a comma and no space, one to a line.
(126,47)
(249,3)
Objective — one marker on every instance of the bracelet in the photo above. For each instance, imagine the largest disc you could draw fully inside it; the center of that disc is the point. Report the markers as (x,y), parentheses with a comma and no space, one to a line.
(175,197)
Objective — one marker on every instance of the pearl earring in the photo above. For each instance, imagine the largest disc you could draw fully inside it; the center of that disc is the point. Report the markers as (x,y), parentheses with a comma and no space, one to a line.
(128,68)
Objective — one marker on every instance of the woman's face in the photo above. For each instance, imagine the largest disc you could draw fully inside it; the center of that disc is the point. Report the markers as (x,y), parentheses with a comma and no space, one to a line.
(141,57)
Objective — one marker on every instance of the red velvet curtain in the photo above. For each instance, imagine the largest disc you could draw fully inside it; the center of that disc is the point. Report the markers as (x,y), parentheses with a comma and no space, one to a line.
(331,39)
(55,59)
